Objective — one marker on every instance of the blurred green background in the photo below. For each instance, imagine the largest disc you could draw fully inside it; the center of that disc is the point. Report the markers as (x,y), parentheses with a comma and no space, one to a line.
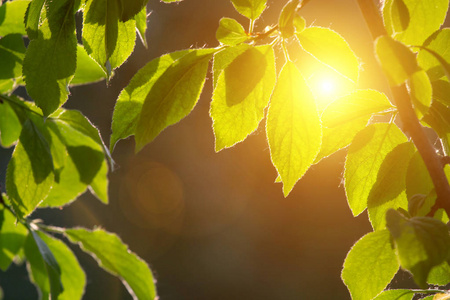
(215,225)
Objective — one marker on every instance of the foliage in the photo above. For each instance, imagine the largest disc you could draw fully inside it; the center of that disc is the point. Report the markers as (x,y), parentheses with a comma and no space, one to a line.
(59,154)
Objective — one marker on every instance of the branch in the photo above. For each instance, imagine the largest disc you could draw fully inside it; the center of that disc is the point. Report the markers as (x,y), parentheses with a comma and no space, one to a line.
(410,121)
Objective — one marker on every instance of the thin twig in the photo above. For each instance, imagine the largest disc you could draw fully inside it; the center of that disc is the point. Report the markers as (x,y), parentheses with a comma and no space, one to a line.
(409,119)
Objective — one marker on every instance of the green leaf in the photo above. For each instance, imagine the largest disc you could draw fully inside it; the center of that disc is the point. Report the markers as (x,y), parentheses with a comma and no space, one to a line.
(365,156)
(73,278)
(287,16)
(230,32)
(251,9)
(141,25)
(173,95)
(421,19)
(10,125)
(370,265)
(438,42)
(6,86)
(88,71)
(396,16)
(439,275)
(45,270)
(224,57)
(242,92)
(346,116)
(293,126)
(12,238)
(421,243)
(29,176)
(330,48)
(106,39)
(395,294)
(130,101)
(11,17)
(85,162)
(113,256)
(130,8)
(50,60)
(397,61)
(438,118)
(388,190)
(12,52)
(421,91)
(441,91)
(33,18)
(420,189)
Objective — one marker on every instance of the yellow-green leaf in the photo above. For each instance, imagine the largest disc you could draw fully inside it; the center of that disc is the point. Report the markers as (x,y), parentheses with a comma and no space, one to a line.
(330,48)
(397,61)
(173,95)
(365,156)
(230,32)
(370,265)
(241,94)
(346,116)
(294,130)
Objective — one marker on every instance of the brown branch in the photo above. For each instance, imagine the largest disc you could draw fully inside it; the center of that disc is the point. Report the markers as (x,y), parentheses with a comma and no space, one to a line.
(409,119)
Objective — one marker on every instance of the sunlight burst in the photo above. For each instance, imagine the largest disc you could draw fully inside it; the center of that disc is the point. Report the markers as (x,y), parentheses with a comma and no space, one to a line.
(327,86)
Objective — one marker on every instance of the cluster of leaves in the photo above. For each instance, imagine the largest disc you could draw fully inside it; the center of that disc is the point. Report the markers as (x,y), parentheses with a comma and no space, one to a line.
(59,153)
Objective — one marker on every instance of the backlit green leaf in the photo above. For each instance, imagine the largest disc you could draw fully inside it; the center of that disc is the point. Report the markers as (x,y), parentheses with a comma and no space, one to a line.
(45,270)
(388,190)
(29,176)
(287,17)
(10,125)
(173,95)
(370,265)
(230,32)
(438,117)
(85,161)
(11,17)
(439,275)
(421,243)
(241,94)
(224,57)
(73,278)
(395,294)
(12,237)
(12,52)
(346,116)
(397,60)
(50,60)
(130,101)
(114,256)
(441,91)
(395,16)
(425,17)
(141,25)
(106,39)
(420,189)
(88,70)
(330,48)
(251,9)
(438,42)
(131,8)
(365,156)
(33,18)
(293,126)
(421,91)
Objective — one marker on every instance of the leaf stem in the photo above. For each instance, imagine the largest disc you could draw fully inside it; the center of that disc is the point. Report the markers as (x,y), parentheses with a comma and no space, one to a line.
(411,124)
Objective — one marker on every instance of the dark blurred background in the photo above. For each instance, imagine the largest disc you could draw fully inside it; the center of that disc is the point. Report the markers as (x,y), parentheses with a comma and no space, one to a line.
(215,225)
